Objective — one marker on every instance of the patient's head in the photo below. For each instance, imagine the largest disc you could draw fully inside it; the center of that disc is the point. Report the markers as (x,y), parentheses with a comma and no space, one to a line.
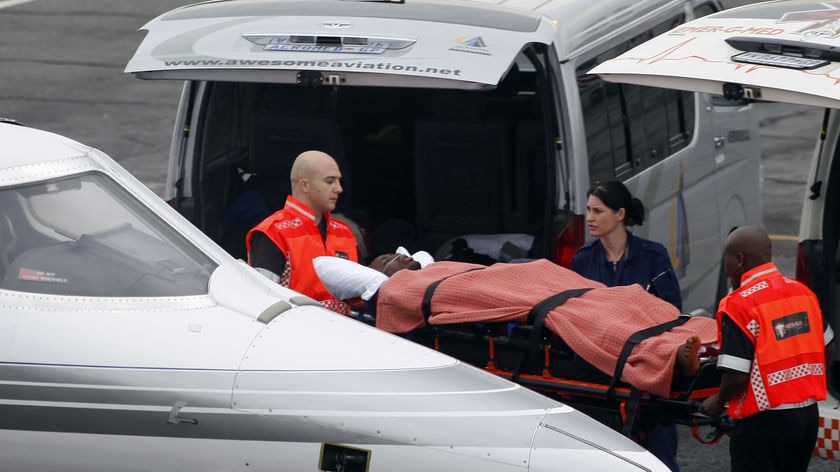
(388,264)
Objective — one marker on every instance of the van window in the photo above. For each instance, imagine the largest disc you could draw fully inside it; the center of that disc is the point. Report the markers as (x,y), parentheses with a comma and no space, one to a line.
(631,127)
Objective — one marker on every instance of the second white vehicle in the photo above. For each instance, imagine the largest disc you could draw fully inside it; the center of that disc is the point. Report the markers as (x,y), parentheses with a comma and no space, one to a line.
(451,118)
(785,51)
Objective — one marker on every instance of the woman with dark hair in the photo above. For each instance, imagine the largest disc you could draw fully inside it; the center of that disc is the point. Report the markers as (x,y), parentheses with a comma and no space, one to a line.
(618,257)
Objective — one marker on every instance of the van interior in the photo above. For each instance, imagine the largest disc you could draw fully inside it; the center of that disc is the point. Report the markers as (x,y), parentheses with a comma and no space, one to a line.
(420,166)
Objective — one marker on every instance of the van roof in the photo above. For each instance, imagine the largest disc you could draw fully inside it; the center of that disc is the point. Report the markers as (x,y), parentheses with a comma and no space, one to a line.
(483,14)
(588,23)
(472,41)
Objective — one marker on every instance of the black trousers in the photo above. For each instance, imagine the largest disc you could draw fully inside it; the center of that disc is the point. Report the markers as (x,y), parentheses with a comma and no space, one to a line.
(775,440)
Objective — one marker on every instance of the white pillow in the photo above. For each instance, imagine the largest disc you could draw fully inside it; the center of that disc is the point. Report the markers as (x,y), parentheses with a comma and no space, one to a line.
(346,279)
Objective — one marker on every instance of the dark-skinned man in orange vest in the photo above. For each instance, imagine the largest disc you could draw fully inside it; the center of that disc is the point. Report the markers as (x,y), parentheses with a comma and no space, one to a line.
(774,346)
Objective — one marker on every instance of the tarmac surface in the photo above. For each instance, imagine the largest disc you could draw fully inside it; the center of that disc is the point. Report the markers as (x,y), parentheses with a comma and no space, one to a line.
(61,69)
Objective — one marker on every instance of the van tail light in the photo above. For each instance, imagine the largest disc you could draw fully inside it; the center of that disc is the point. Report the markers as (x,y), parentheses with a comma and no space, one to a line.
(569,239)
(803,269)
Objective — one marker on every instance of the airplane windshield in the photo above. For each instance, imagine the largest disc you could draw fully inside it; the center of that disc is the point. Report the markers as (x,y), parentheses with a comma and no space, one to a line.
(85,236)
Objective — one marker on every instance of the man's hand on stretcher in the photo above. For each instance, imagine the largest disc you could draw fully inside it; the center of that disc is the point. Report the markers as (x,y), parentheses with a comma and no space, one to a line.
(731,384)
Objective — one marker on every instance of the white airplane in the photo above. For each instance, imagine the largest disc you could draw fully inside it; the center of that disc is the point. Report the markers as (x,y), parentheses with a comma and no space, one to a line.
(129,341)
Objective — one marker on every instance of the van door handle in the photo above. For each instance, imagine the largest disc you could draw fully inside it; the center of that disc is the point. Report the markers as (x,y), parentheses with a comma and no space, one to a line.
(720,141)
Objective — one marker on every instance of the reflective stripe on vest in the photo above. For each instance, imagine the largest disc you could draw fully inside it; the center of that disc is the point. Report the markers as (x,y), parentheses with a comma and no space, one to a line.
(782,318)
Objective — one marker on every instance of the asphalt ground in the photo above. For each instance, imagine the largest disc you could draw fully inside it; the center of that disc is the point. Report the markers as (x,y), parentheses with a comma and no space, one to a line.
(61,64)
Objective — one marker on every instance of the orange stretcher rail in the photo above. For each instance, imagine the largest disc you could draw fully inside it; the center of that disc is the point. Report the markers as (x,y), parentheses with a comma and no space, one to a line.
(498,349)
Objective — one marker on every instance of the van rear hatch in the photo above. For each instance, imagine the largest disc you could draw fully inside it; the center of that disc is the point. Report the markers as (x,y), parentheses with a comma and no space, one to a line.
(776,51)
(350,43)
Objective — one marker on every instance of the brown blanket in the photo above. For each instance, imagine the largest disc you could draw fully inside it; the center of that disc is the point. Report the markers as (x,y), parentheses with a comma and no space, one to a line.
(595,325)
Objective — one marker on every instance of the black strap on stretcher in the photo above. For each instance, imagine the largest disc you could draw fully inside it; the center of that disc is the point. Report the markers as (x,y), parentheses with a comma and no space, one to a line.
(537,315)
(539,312)
(426,305)
(536,319)
(632,341)
(636,338)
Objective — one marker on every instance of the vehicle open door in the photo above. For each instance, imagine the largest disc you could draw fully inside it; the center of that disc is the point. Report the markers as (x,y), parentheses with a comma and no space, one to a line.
(780,51)
(786,52)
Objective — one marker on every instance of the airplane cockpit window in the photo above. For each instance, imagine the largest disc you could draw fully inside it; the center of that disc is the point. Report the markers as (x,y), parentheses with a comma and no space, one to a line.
(85,236)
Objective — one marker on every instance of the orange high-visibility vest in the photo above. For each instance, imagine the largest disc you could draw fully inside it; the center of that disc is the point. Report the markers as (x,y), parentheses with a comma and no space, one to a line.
(782,318)
(294,231)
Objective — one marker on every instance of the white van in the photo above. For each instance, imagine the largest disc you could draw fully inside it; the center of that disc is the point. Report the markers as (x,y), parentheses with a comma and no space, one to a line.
(449,119)
(777,51)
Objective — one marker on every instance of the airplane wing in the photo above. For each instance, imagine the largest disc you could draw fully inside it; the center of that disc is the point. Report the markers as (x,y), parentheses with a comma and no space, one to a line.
(775,51)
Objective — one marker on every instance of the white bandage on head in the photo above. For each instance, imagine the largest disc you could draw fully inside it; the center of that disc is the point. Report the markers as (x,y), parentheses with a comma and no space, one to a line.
(423,257)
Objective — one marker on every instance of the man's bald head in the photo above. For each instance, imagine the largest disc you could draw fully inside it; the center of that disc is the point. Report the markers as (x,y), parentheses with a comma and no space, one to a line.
(745,249)
(307,163)
(316,181)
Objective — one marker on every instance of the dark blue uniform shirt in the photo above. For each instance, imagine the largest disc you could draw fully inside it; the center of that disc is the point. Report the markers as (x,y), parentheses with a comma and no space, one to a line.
(646,263)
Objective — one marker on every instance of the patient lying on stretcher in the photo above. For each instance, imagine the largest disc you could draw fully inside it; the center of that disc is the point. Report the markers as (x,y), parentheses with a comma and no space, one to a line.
(595,321)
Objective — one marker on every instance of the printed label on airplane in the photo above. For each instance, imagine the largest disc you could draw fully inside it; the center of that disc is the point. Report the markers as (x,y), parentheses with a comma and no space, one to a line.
(35,275)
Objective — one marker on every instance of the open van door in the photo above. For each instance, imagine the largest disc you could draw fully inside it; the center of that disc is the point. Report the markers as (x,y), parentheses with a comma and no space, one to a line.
(780,51)
(777,51)
(428,103)
(419,44)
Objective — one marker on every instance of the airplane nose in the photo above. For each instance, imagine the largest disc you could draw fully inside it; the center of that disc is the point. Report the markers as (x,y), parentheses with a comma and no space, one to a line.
(566,436)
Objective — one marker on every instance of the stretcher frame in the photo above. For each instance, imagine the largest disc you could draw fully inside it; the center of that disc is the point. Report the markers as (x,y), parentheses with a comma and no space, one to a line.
(511,351)
(526,353)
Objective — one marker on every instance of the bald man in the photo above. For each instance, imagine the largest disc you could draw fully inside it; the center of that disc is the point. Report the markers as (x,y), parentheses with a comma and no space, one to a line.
(287,241)
(773,351)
